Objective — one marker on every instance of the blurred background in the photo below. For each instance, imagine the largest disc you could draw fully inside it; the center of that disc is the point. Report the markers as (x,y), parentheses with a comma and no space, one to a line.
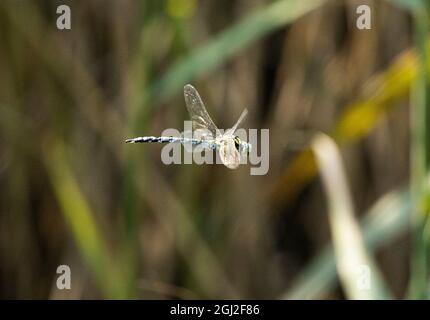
(339,215)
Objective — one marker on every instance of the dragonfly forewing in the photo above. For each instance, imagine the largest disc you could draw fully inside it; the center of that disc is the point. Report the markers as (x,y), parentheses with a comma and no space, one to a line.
(242,116)
(198,112)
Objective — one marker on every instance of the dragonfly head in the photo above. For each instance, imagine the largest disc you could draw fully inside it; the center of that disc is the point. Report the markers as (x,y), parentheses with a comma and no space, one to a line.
(242,146)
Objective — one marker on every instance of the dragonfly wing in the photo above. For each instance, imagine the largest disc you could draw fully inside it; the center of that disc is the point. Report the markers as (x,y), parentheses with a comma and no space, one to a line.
(229,154)
(197,111)
(199,134)
(242,116)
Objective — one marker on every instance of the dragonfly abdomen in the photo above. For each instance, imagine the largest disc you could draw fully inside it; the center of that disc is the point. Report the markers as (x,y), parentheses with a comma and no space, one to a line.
(162,139)
(151,139)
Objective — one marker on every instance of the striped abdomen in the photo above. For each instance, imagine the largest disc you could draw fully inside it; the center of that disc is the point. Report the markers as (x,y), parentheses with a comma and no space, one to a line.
(152,139)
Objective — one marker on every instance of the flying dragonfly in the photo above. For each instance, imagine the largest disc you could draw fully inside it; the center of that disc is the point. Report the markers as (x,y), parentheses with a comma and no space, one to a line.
(205,133)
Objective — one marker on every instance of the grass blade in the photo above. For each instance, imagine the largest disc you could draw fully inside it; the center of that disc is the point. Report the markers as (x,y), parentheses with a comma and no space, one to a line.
(386,220)
(360,117)
(420,160)
(231,41)
(80,221)
(351,253)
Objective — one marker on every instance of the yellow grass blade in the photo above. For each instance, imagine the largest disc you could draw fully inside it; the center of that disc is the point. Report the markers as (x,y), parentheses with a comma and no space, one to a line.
(359,119)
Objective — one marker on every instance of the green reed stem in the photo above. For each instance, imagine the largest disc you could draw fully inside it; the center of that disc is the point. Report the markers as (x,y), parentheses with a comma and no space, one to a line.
(420,160)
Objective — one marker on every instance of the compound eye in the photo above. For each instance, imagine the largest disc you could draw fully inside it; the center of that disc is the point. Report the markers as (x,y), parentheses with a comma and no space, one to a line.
(237,142)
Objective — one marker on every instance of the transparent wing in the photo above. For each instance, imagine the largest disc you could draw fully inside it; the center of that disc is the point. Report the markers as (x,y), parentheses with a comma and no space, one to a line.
(242,116)
(197,111)
(200,134)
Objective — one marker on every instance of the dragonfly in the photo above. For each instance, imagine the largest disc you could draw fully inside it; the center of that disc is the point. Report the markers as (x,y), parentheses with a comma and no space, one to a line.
(205,133)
